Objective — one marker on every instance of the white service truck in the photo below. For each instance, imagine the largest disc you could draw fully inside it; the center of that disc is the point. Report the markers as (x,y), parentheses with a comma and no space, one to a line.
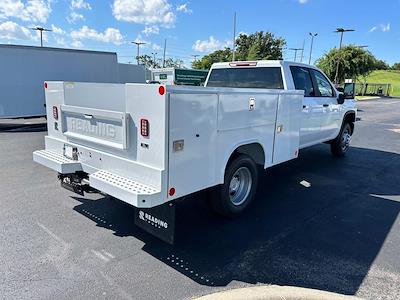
(149,145)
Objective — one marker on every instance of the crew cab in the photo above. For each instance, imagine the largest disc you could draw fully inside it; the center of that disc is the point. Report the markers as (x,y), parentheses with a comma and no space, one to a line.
(149,145)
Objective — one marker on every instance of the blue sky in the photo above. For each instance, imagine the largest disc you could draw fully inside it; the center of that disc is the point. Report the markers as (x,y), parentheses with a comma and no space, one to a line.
(199,27)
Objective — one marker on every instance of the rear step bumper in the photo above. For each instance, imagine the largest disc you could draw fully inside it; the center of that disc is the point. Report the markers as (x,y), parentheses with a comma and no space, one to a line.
(122,188)
(57,162)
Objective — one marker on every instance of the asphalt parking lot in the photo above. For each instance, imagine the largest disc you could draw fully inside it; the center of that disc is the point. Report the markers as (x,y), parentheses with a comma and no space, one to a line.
(341,234)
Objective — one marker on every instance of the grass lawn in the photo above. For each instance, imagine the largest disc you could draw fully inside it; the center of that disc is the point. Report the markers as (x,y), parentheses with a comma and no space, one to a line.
(392,77)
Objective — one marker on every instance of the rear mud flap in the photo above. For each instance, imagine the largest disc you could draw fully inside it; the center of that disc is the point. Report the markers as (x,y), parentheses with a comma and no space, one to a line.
(158,221)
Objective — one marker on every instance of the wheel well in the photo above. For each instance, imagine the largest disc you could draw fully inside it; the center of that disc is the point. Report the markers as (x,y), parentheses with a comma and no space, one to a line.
(254,150)
(351,119)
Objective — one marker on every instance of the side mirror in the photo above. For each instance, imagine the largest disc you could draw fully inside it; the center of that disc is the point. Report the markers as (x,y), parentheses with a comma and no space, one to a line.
(340,89)
(341,98)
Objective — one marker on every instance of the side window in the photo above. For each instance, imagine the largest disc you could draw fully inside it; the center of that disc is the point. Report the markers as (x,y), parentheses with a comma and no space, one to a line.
(324,87)
(302,80)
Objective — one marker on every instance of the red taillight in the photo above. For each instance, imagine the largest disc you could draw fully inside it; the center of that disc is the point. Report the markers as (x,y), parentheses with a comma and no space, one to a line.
(45,85)
(144,127)
(55,112)
(161,90)
(171,192)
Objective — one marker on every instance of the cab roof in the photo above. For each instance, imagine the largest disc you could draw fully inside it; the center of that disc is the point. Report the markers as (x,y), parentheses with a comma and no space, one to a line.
(259,63)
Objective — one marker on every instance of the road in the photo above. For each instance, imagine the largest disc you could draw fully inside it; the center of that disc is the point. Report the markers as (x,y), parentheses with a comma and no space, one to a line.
(341,234)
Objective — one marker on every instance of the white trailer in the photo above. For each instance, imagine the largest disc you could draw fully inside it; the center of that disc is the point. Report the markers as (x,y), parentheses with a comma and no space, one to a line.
(24,69)
(153,144)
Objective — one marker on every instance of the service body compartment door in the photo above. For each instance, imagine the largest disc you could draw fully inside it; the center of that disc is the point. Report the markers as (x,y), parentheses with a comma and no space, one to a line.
(192,142)
(287,130)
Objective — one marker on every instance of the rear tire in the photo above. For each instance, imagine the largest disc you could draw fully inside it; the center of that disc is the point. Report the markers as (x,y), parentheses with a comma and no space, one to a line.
(341,144)
(239,188)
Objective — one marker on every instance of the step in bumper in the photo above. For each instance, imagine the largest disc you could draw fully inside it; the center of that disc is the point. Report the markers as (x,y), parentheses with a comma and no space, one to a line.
(125,189)
(56,161)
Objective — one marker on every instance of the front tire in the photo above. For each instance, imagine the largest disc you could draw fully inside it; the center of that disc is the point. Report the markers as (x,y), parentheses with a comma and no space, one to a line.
(341,144)
(239,188)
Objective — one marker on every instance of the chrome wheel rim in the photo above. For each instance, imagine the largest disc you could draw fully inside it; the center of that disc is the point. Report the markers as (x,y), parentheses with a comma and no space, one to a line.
(240,186)
(346,139)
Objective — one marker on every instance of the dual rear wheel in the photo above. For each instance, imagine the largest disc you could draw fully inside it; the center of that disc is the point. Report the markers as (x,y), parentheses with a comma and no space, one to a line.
(238,191)
(241,178)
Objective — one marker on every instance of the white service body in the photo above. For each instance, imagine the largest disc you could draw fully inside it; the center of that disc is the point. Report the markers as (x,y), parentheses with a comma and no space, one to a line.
(193,131)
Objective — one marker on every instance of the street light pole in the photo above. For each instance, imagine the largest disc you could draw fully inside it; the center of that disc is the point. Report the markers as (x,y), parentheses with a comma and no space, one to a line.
(341,31)
(313,35)
(295,52)
(234,38)
(138,44)
(41,29)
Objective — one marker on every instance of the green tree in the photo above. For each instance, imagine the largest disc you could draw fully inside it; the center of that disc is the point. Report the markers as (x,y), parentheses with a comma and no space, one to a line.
(354,62)
(217,56)
(148,61)
(173,63)
(256,46)
(381,65)
(396,67)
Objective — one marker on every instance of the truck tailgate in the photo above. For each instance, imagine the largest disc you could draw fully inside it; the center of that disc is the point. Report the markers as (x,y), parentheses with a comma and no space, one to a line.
(104,127)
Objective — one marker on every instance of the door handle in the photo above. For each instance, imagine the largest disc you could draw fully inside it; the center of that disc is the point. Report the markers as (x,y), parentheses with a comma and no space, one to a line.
(305,106)
(89,117)
(325,105)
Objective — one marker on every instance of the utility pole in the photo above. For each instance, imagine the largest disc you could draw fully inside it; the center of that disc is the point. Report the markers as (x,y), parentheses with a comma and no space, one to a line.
(195,57)
(295,52)
(165,51)
(341,31)
(234,38)
(154,56)
(41,29)
(138,44)
(313,35)
(302,50)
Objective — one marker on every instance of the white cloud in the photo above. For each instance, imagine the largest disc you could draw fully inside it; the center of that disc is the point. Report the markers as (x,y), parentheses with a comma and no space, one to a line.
(80,4)
(77,44)
(74,17)
(184,8)
(61,42)
(373,29)
(110,35)
(151,30)
(12,31)
(57,30)
(385,27)
(303,1)
(144,12)
(31,10)
(156,46)
(139,39)
(210,45)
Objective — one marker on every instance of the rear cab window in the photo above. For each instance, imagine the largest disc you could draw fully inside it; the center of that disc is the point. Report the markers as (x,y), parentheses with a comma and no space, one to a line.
(303,80)
(257,78)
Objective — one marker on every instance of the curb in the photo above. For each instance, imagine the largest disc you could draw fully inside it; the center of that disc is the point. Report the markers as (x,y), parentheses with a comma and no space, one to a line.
(276,292)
